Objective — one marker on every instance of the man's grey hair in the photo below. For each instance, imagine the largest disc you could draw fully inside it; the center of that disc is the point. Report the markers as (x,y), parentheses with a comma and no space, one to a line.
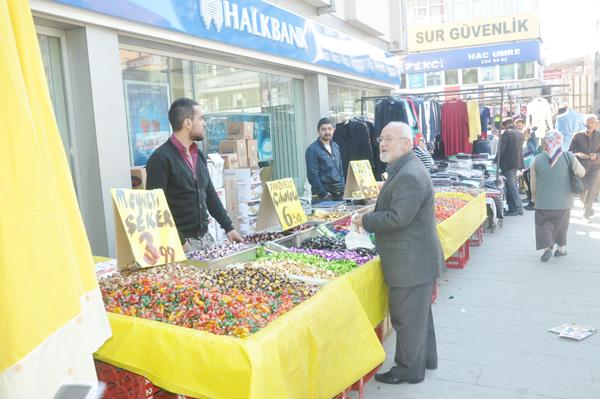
(400,129)
(591,117)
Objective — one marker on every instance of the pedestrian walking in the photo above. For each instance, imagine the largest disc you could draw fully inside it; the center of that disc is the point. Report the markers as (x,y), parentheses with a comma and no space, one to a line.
(532,146)
(510,160)
(586,147)
(552,194)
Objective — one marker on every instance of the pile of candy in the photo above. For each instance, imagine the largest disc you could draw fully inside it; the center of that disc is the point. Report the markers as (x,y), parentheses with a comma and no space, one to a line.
(336,255)
(459,189)
(340,266)
(332,244)
(447,206)
(328,216)
(218,251)
(294,267)
(236,302)
(257,238)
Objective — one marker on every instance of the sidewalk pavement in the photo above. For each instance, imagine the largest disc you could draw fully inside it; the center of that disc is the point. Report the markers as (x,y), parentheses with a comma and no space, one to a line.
(492,319)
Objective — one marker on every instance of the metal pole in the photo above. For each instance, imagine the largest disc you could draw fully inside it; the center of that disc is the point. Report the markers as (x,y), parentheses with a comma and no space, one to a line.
(499,136)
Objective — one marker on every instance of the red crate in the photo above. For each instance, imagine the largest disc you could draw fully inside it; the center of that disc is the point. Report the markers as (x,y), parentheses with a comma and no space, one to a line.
(476,239)
(123,384)
(460,258)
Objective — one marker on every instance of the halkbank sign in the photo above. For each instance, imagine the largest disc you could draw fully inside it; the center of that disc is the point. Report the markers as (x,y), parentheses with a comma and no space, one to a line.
(473,33)
(256,25)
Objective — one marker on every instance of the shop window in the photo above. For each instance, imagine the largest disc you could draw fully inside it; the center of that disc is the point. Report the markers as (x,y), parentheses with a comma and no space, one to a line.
(274,104)
(451,77)
(526,70)
(469,76)
(488,74)
(434,79)
(507,72)
(416,80)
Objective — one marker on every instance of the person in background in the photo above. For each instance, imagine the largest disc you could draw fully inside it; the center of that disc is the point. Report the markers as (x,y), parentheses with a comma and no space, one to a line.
(482,146)
(411,255)
(494,140)
(179,168)
(586,147)
(551,191)
(324,165)
(510,159)
(423,154)
(520,124)
(531,150)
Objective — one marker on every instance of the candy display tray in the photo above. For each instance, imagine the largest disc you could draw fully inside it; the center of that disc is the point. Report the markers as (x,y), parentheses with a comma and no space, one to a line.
(245,256)
(294,240)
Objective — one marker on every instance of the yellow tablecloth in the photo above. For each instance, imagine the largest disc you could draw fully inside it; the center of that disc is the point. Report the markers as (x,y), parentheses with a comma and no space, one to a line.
(457,229)
(316,350)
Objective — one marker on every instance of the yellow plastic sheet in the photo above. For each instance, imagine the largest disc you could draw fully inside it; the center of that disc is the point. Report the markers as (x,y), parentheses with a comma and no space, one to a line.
(45,259)
(369,286)
(454,231)
(316,350)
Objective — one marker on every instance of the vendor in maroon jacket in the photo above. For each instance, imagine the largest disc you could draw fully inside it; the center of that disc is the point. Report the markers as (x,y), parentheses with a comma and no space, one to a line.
(179,168)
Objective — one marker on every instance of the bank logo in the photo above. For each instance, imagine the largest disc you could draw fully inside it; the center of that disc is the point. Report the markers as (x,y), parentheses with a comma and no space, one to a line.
(212,11)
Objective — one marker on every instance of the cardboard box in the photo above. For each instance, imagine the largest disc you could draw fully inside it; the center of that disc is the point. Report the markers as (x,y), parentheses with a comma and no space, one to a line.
(216,164)
(230,161)
(240,130)
(242,162)
(231,199)
(252,148)
(234,147)
(138,178)
(252,163)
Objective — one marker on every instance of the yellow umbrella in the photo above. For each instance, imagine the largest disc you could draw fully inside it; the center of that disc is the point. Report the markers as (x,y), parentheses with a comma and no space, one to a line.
(51,314)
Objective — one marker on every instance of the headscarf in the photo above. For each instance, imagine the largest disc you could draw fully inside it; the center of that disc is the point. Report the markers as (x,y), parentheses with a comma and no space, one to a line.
(553,145)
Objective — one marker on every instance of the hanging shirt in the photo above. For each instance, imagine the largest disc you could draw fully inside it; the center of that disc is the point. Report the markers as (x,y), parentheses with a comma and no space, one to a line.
(484,117)
(455,128)
(539,114)
(474,120)
(568,124)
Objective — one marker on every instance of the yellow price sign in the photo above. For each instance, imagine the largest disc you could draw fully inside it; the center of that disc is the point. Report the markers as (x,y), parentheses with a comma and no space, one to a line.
(280,204)
(362,180)
(146,232)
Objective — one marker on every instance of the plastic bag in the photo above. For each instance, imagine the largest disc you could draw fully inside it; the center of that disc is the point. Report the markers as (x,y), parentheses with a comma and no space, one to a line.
(358,238)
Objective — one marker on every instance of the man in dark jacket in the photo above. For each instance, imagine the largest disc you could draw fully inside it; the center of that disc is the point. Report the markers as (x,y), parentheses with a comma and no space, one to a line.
(510,159)
(586,147)
(324,164)
(179,168)
(411,255)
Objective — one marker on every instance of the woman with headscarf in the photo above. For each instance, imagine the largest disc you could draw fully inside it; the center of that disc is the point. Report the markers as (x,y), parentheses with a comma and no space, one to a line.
(552,195)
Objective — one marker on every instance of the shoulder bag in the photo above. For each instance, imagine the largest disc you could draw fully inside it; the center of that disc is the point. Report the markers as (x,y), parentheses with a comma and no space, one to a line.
(576,182)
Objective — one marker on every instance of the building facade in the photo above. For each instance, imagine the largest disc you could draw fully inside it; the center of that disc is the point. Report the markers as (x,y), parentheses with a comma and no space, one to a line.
(113,69)
(471,43)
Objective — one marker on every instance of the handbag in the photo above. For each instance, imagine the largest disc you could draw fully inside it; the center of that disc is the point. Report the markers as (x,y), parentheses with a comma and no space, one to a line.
(576,182)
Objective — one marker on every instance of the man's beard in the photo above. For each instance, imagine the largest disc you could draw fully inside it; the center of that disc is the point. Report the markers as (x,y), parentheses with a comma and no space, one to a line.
(384,157)
(197,137)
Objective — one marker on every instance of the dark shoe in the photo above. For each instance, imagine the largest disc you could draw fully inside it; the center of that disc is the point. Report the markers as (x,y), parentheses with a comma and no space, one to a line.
(546,256)
(388,378)
(558,253)
(431,367)
(512,213)
(520,213)
(529,207)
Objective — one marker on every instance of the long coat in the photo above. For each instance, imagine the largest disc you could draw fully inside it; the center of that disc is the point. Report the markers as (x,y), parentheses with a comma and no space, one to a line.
(404,225)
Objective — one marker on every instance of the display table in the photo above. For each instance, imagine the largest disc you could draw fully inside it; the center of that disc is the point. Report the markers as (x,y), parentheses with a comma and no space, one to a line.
(316,350)
(456,230)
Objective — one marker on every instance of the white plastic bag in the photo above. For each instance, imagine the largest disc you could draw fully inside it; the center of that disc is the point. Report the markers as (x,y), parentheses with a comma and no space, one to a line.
(358,238)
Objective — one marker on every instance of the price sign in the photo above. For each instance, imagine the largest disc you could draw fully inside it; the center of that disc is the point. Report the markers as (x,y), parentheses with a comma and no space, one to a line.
(281,205)
(146,232)
(361,181)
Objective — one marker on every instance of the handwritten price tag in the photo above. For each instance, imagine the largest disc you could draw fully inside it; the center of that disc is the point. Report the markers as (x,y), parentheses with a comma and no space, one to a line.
(361,180)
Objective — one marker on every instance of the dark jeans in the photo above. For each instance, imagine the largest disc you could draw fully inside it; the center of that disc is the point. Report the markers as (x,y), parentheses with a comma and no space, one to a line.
(512,192)
(526,177)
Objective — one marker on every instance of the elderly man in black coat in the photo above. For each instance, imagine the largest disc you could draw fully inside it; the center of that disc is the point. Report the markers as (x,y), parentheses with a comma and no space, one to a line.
(411,255)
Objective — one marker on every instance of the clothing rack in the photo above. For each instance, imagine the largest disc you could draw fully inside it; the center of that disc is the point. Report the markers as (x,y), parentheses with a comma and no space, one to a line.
(501,91)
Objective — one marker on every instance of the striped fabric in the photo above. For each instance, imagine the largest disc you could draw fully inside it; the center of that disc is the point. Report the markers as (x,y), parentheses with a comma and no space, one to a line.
(424,157)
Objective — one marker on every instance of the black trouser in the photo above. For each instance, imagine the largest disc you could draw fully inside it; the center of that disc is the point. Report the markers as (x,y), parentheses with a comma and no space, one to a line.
(527,178)
(591,184)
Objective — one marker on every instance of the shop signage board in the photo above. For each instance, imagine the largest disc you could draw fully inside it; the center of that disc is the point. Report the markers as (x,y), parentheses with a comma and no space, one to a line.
(475,32)
(361,183)
(260,26)
(145,229)
(280,205)
(471,57)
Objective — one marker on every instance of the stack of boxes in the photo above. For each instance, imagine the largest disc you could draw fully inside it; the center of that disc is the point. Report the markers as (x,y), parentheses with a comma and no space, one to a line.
(244,190)
(240,150)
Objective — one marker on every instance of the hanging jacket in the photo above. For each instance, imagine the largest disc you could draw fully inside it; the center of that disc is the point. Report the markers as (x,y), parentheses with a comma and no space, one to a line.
(354,141)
